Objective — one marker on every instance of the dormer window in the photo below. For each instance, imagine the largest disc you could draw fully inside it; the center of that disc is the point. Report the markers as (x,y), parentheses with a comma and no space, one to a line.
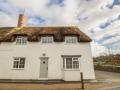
(21,40)
(47,39)
(71,39)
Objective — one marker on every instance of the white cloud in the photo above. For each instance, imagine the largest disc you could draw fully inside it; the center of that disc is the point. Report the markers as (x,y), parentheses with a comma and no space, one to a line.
(112,40)
(6,20)
(35,5)
(98,49)
(113,29)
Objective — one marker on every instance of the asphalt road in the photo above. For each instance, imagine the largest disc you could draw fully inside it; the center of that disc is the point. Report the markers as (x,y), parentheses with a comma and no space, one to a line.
(105,81)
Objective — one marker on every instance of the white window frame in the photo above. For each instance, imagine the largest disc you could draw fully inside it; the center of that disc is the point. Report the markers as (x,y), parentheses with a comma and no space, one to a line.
(19,62)
(46,39)
(21,40)
(74,59)
(71,39)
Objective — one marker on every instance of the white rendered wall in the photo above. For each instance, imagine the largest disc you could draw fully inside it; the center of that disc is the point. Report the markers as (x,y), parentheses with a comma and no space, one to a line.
(34,50)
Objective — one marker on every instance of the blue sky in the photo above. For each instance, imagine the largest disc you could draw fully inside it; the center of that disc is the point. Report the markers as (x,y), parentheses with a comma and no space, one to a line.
(100,19)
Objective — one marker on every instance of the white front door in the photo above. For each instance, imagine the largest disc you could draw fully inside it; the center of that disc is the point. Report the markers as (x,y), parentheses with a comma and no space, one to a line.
(44,68)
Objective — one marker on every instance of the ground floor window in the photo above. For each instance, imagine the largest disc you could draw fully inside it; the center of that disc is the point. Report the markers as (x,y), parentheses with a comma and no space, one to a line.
(71,63)
(19,63)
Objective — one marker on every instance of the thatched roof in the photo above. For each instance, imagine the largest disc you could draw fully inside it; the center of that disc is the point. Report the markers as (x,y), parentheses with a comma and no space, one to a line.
(8,34)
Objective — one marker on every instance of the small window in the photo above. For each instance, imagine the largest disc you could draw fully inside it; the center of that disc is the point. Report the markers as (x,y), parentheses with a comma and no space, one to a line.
(21,40)
(47,39)
(71,39)
(71,63)
(19,63)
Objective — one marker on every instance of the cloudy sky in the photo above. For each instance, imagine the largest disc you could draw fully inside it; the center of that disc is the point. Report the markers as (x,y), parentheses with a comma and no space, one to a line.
(99,19)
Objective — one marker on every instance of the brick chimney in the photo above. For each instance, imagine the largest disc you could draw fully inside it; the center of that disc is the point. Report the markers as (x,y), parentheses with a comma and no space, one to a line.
(21,20)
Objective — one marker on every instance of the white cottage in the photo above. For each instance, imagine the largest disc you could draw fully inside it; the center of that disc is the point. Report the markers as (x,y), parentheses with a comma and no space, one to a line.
(44,53)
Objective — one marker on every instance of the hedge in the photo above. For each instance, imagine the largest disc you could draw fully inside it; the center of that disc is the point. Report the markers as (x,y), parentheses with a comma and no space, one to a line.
(109,68)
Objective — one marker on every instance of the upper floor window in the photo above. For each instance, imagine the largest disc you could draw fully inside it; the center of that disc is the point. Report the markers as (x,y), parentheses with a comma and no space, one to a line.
(47,39)
(71,39)
(19,63)
(21,40)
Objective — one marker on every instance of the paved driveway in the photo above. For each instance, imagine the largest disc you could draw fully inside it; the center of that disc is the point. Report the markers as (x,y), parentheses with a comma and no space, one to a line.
(106,81)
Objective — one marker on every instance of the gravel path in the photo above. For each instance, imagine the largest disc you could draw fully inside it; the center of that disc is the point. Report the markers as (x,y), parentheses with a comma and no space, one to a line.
(105,81)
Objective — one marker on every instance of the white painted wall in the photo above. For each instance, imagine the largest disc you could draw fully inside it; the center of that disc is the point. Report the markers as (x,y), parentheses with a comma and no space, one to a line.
(34,50)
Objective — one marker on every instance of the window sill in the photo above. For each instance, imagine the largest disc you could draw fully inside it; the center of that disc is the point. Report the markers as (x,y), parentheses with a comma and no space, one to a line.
(71,70)
(70,43)
(20,44)
(46,43)
(18,69)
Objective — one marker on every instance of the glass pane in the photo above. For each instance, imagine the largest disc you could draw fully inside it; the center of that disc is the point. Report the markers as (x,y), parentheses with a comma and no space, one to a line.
(75,58)
(69,63)
(24,40)
(15,64)
(43,40)
(21,40)
(76,64)
(21,66)
(47,39)
(16,58)
(22,60)
(70,39)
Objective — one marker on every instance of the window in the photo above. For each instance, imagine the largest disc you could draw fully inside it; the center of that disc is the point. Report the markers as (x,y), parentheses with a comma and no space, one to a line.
(47,39)
(71,39)
(19,63)
(21,40)
(71,63)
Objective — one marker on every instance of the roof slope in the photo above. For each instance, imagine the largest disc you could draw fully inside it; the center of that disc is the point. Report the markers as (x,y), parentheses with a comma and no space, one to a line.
(8,34)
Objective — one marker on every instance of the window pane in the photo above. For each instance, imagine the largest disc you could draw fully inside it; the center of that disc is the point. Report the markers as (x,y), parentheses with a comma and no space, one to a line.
(69,63)
(15,66)
(16,58)
(20,66)
(71,39)
(47,39)
(76,64)
(16,62)
(44,40)
(22,60)
(75,58)
(21,40)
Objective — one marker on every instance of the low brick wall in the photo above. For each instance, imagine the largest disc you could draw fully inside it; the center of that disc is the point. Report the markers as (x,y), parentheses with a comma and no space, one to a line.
(109,68)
